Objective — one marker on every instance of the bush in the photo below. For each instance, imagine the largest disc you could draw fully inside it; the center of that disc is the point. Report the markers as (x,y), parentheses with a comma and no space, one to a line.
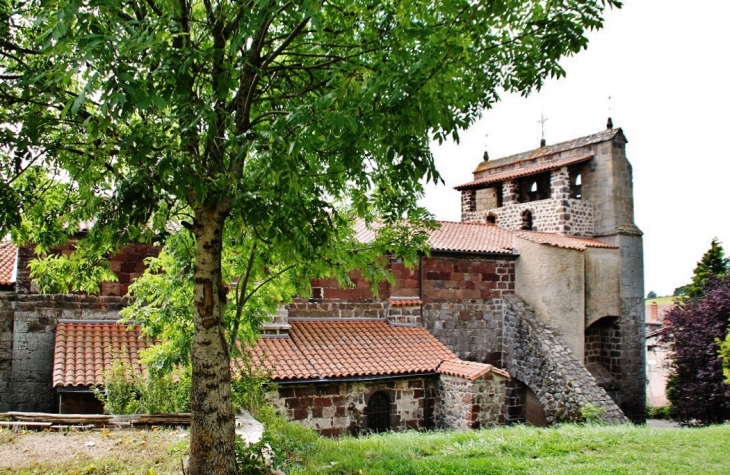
(128,392)
(660,412)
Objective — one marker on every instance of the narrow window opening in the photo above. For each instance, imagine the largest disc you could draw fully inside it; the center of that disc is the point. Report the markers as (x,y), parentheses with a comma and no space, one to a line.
(576,191)
(527,220)
(491,218)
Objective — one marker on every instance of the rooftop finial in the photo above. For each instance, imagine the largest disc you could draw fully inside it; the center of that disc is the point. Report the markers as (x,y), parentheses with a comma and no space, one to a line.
(609,124)
(542,121)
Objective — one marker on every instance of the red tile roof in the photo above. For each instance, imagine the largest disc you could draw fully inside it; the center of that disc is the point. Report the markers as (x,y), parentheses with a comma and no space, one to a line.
(603,136)
(469,369)
(456,237)
(338,349)
(567,242)
(404,302)
(316,350)
(530,169)
(471,237)
(83,351)
(8,253)
(281,357)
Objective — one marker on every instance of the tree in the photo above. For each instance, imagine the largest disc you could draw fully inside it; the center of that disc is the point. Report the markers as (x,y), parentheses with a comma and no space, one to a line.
(651,295)
(260,128)
(713,264)
(696,387)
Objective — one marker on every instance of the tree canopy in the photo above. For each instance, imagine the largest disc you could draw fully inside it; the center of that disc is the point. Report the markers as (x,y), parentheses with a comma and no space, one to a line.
(696,327)
(255,131)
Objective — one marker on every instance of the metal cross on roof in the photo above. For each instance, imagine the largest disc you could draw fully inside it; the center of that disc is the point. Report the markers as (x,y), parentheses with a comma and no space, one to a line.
(542,125)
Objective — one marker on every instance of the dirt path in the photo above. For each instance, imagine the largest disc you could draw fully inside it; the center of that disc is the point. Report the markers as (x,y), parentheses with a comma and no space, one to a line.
(53,449)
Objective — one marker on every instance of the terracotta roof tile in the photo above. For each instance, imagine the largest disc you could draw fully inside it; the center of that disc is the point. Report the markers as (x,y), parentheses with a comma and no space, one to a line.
(471,237)
(469,369)
(603,136)
(568,242)
(370,348)
(404,302)
(83,351)
(456,237)
(8,253)
(282,358)
(530,169)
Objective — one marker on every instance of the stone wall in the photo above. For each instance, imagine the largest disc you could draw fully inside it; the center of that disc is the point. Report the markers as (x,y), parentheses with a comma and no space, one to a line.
(341,407)
(536,356)
(569,216)
(448,278)
(464,404)
(27,333)
(471,329)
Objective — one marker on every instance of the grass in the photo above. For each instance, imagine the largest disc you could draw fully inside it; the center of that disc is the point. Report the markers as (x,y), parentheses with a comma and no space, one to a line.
(567,449)
(521,450)
(661,300)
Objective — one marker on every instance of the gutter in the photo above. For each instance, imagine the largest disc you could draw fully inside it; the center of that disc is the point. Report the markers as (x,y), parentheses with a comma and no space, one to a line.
(355,379)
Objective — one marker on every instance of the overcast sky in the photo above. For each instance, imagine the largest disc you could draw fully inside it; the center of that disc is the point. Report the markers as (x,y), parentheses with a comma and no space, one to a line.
(666,66)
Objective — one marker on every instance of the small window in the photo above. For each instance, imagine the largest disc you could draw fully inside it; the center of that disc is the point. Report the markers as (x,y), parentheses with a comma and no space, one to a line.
(526,220)
(576,191)
(491,218)
(378,412)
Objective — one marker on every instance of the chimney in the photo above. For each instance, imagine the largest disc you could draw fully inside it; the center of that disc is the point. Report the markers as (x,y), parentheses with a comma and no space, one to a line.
(278,324)
(654,312)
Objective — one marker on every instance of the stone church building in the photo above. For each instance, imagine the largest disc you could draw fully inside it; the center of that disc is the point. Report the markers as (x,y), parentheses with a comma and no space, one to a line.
(529,309)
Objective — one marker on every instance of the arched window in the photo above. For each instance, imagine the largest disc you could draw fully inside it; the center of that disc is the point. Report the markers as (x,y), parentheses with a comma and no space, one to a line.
(526,220)
(378,412)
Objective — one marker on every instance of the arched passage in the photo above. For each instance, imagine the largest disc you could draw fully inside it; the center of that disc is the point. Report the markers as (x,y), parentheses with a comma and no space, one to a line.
(378,412)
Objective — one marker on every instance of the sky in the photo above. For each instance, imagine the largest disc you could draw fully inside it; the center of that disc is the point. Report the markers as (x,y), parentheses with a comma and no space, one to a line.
(665,65)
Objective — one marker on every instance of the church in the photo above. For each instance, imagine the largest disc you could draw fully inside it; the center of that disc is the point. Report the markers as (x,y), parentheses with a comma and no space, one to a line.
(530,309)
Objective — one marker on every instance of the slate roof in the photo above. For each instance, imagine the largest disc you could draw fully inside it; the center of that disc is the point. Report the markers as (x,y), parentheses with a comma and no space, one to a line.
(8,253)
(567,242)
(531,169)
(83,351)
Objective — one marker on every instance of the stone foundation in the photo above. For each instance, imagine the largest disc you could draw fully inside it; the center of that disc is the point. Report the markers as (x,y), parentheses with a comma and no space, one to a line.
(464,404)
(341,408)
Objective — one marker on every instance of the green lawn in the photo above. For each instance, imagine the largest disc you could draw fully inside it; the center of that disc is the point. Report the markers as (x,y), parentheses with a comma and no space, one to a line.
(565,449)
(661,300)
(523,450)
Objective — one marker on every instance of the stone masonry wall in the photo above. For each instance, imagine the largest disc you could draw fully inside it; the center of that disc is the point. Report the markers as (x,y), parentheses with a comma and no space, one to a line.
(464,404)
(341,408)
(27,333)
(568,216)
(462,304)
(537,356)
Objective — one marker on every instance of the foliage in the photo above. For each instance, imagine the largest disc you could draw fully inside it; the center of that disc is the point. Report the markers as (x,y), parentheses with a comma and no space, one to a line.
(118,394)
(264,129)
(250,387)
(713,264)
(658,412)
(128,392)
(591,413)
(651,295)
(696,386)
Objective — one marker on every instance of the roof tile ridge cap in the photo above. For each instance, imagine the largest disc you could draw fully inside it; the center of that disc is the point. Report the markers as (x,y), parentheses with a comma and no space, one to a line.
(550,149)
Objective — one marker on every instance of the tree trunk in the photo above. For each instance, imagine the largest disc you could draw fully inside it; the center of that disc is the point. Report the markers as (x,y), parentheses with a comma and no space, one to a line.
(213,424)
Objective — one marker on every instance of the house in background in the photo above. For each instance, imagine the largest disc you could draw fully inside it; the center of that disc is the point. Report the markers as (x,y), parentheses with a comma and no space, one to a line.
(527,310)
(657,369)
